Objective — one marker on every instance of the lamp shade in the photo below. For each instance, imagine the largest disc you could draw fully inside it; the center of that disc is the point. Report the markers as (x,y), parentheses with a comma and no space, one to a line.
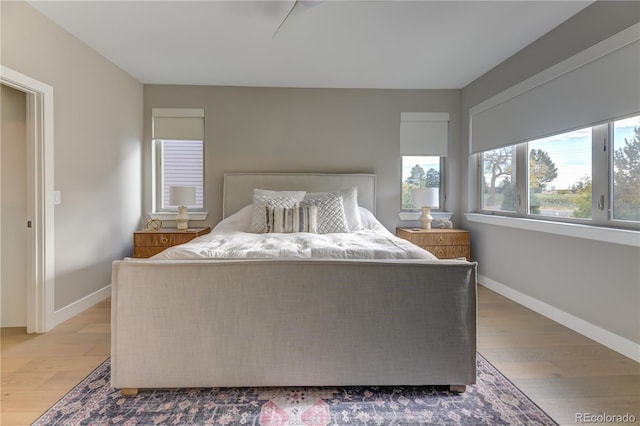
(182,195)
(426,197)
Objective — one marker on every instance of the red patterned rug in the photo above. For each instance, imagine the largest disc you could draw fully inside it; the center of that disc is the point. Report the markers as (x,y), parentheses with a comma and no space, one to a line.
(493,400)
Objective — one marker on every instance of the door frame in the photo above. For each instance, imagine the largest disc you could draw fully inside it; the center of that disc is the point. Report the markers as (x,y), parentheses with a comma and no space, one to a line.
(40,198)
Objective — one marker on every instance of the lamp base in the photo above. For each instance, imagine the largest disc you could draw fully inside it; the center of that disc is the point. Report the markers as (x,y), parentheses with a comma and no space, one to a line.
(426,218)
(182,219)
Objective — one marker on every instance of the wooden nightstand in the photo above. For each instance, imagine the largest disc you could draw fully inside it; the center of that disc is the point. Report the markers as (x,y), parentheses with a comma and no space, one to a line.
(443,243)
(147,243)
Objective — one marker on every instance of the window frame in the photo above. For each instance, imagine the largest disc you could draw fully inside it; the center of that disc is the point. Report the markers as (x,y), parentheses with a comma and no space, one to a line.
(480,186)
(602,183)
(158,212)
(442,194)
(611,170)
(158,177)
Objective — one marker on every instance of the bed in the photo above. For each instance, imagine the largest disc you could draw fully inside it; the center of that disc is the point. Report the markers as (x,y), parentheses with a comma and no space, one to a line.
(341,313)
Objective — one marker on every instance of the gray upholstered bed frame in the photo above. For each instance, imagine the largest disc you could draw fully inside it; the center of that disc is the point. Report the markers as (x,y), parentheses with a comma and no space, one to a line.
(238,323)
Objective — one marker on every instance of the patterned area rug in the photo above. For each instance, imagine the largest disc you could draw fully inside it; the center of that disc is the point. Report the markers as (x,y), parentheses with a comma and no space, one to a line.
(493,400)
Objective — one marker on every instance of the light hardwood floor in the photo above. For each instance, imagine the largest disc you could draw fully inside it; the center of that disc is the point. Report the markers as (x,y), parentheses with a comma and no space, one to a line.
(38,369)
(562,371)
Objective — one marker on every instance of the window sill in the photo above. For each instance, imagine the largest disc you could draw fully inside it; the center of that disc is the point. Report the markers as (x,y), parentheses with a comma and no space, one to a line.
(172,215)
(597,233)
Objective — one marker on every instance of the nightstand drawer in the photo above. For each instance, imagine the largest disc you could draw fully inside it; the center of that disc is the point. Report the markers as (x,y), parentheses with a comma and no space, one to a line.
(161,239)
(440,239)
(150,243)
(448,252)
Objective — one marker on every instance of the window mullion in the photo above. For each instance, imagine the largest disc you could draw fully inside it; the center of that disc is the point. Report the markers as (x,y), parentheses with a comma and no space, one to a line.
(600,199)
(159,176)
(443,184)
(521,155)
(479,181)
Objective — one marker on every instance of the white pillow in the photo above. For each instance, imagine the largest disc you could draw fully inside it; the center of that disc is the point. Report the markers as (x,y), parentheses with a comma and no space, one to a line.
(261,203)
(331,218)
(350,205)
(369,221)
(298,195)
(239,221)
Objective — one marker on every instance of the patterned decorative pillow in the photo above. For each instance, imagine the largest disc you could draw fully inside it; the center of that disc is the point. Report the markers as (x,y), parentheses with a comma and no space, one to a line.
(297,219)
(259,213)
(349,202)
(331,216)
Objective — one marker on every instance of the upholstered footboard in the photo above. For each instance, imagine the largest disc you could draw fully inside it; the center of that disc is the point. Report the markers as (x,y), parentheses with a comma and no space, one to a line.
(292,323)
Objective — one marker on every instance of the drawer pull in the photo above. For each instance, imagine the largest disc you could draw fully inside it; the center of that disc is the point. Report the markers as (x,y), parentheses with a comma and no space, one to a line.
(441,239)
(164,240)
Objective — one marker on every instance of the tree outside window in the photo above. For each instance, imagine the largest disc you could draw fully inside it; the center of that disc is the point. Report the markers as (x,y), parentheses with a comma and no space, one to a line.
(626,171)
(418,172)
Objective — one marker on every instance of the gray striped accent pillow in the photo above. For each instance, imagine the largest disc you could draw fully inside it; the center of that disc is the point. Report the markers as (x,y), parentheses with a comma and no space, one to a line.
(288,220)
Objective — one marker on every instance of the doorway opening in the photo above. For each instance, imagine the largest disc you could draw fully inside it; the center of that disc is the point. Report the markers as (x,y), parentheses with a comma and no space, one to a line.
(40,253)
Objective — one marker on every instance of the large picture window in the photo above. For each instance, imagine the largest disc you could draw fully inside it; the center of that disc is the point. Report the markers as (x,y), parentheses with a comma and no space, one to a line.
(589,175)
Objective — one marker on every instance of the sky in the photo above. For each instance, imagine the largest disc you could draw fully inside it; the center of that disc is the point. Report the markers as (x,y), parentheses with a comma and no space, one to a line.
(425,162)
(571,152)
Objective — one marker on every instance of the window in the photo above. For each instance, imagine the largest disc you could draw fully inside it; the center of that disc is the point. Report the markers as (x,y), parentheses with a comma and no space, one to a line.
(499,180)
(418,172)
(424,142)
(178,151)
(589,175)
(180,163)
(560,175)
(564,170)
(626,170)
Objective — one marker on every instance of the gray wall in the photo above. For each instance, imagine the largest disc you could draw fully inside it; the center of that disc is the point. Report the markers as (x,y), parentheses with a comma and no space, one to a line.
(97,133)
(595,281)
(304,130)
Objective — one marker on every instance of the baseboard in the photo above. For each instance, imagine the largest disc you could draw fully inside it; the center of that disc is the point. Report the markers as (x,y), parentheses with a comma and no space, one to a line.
(617,343)
(69,311)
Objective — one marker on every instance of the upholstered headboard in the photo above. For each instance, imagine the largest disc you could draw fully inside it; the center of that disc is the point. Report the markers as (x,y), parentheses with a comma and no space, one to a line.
(238,187)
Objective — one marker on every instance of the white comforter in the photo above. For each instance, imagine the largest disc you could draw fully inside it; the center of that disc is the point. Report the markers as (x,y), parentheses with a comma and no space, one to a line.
(230,240)
(365,244)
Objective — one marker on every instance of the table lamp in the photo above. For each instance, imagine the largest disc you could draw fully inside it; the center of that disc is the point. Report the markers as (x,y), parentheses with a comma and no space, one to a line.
(426,198)
(182,196)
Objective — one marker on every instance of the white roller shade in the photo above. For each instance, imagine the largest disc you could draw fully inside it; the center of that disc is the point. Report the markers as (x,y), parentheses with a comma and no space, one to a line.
(597,85)
(178,124)
(424,133)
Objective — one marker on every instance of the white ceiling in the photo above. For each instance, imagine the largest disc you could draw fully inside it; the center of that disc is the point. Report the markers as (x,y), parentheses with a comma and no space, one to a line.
(341,44)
